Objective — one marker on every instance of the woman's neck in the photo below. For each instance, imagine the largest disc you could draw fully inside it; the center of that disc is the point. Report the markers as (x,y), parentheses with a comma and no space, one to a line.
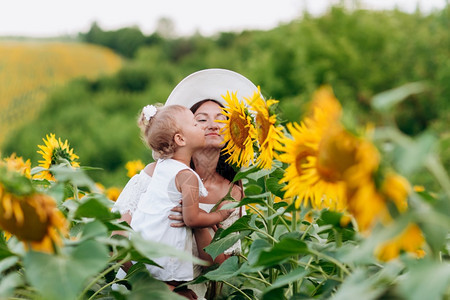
(182,156)
(205,162)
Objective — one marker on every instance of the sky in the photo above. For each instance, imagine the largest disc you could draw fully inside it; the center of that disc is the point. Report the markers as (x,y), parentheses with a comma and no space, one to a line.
(49,18)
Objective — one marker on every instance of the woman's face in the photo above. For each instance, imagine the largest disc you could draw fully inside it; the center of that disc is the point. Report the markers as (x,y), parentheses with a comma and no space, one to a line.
(206,115)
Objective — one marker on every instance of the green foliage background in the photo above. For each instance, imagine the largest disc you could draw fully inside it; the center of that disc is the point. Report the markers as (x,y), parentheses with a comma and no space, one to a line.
(359,53)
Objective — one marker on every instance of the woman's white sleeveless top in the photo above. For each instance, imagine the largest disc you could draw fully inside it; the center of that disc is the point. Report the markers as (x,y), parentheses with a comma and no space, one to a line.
(131,193)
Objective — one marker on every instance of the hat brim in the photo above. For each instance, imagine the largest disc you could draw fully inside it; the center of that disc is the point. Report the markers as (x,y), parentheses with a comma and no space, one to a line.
(210,84)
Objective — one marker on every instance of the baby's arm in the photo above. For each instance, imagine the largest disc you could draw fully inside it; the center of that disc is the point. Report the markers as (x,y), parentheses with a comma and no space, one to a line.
(193,216)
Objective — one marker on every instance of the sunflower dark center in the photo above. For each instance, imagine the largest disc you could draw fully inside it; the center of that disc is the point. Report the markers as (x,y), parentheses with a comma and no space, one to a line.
(337,153)
(301,158)
(238,130)
(262,128)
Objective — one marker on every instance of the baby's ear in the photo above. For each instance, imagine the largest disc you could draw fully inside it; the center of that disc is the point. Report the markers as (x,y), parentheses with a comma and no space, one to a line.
(179,140)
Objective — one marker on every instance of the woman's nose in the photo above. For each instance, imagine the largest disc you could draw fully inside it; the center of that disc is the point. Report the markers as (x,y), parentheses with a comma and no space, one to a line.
(213,125)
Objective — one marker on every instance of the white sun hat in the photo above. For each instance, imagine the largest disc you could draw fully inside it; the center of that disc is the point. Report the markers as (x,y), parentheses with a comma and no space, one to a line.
(210,84)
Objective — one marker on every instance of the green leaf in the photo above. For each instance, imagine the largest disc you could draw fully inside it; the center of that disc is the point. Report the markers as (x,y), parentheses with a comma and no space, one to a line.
(413,286)
(248,200)
(435,235)
(228,269)
(146,287)
(253,189)
(56,191)
(386,100)
(37,170)
(277,293)
(281,251)
(244,172)
(330,217)
(8,284)
(8,262)
(412,158)
(94,229)
(275,187)
(66,274)
(76,176)
(259,174)
(4,250)
(219,246)
(241,224)
(15,183)
(256,248)
(292,276)
(359,285)
(94,207)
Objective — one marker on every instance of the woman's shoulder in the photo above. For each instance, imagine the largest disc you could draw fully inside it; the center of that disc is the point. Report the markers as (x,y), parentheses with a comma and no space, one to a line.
(237,192)
(149,169)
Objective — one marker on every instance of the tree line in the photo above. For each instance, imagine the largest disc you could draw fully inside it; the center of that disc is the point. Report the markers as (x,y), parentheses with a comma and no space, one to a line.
(359,53)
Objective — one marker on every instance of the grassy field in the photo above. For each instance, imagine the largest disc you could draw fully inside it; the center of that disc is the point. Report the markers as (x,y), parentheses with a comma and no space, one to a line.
(30,69)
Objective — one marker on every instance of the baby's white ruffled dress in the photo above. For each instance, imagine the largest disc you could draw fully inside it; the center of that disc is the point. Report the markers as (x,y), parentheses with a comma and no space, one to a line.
(151,220)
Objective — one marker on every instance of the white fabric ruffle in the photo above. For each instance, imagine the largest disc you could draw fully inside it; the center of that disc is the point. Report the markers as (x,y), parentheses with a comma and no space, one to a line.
(131,193)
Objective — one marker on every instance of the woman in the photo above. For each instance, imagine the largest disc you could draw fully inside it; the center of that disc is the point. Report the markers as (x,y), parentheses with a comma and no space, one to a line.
(201,92)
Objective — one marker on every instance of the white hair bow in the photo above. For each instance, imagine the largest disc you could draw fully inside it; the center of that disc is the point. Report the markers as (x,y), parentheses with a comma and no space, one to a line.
(149,111)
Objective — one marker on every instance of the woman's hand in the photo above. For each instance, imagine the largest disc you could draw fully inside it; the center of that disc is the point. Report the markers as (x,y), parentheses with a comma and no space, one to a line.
(225,213)
(177,216)
(187,293)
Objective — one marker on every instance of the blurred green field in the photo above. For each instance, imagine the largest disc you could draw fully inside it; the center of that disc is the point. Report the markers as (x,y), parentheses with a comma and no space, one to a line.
(30,70)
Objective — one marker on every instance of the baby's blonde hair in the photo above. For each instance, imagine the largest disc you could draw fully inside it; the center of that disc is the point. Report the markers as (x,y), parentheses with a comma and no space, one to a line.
(159,132)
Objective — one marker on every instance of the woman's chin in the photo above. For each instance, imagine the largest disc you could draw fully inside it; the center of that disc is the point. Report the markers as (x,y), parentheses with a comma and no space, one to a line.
(213,143)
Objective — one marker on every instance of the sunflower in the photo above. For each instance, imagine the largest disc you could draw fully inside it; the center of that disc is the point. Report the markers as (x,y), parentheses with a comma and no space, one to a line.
(366,204)
(411,241)
(113,193)
(324,107)
(54,152)
(34,219)
(300,154)
(133,167)
(15,163)
(308,177)
(239,132)
(396,189)
(269,134)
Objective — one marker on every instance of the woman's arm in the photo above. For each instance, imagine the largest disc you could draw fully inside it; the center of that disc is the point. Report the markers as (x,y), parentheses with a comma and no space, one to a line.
(203,238)
(124,217)
(193,216)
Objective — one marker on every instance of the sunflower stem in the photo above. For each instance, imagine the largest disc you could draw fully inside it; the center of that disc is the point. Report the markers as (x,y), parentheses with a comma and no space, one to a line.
(259,214)
(75,192)
(271,238)
(106,271)
(237,289)
(331,259)
(435,167)
(295,284)
(306,231)
(270,228)
(281,219)
(259,272)
(256,278)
